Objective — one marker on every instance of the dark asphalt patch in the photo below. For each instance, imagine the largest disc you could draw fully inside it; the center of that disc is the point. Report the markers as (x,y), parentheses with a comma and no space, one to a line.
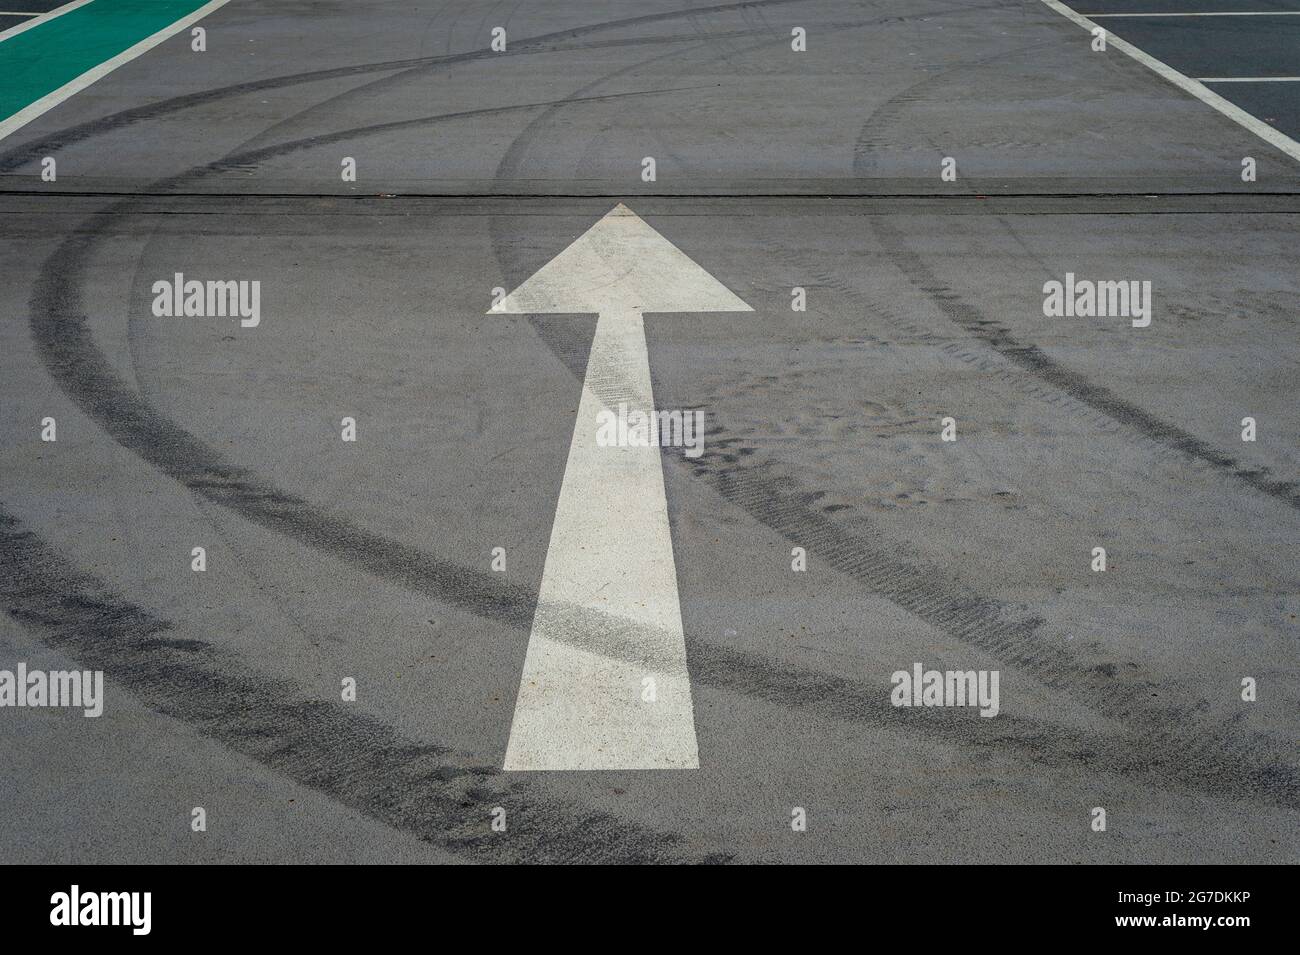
(833,697)
(1237,46)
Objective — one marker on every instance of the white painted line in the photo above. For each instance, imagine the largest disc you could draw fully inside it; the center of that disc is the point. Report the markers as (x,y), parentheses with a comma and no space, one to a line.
(69,89)
(1223,13)
(1248,79)
(1235,113)
(40,18)
(608,616)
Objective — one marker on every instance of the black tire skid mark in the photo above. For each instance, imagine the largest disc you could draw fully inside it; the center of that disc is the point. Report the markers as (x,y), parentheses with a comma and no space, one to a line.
(1135,419)
(1202,760)
(1211,745)
(72,358)
(21,155)
(1212,752)
(893,107)
(67,349)
(568,343)
(1260,761)
(1029,357)
(83,373)
(382,84)
(423,789)
(1162,449)
(85,376)
(690,15)
(1158,741)
(188,461)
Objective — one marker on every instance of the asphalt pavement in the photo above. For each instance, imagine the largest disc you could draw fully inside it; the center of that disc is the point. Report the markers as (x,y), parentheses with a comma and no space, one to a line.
(890,403)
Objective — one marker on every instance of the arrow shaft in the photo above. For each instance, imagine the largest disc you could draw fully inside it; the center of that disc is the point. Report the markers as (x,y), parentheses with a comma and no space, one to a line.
(605,684)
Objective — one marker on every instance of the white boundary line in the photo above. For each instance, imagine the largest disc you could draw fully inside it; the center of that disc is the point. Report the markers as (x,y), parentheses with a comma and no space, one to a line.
(1248,79)
(53,99)
(39,18)
(1207,96)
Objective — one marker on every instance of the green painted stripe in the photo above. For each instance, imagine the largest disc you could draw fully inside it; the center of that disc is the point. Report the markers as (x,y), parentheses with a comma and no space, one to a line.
(41,60)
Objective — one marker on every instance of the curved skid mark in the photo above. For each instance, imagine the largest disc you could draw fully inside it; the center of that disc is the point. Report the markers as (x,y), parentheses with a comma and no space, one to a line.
(69,353)
(21,155)
(1047,369)
(1030,357)
(420,788)
(1203,759)
(84,374)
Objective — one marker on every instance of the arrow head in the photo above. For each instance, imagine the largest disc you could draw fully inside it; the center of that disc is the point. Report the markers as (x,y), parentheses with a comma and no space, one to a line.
(622,264)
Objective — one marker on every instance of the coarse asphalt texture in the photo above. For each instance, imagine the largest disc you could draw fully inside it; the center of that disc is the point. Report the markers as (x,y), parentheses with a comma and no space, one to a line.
(776,169)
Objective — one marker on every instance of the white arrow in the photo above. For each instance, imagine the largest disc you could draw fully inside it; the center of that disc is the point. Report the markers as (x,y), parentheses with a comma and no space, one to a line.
(605,683)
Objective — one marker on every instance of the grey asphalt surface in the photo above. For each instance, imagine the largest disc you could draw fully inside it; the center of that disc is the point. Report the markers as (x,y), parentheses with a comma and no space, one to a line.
(776,169)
